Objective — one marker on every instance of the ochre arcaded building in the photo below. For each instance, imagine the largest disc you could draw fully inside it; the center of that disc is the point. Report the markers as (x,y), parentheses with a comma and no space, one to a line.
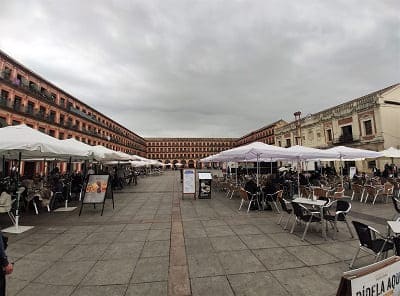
(26,97)
(187,151)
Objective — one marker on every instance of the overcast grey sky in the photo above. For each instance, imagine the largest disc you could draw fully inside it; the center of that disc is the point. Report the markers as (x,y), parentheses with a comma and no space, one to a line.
(209,68)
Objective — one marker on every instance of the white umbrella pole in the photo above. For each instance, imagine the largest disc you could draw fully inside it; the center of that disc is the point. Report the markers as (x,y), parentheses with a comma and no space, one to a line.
(18,194)
(258,168)
(271,165)
(298,177)
(341,170)
(236,175)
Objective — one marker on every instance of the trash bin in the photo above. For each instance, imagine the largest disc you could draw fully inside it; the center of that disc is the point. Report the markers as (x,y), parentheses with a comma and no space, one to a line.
(205,185)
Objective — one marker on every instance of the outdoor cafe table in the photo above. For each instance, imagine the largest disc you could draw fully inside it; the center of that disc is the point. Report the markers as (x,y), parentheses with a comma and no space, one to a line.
(394,226)
(317,203)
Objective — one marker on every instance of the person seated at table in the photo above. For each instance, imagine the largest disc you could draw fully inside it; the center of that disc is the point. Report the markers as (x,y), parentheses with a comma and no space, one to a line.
(252,188)
(269,188)
(76,183)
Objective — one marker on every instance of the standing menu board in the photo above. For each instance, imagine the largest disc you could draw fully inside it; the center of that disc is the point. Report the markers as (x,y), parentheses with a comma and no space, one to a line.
(381,278)
(189,182)
(97,189)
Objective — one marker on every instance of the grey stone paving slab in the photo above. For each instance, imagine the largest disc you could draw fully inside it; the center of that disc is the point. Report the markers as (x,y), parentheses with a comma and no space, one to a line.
(213,222)
(311,255)
(237,220)
(148,289)
(271,227)
(159,234)
(65,273)
(142,226)
(99,238)
(49,252)
(161,225)
(85,253)
(277,258)
(110,290)
(110,272)
(130,236)
(68,238)
(255,284)
(245,229)
(258,241)
(287,239)
(218,285)
(51,229)
(14,285)
(240,262)
(332,272)
(110,228)
(34,289)
(83,228)
(38,238)
(26,269)
(156,248)
(151,270)
(123,251)
(341,250)
(304,281)
(227,243)
(215,231)
(201,265)
(194,232)
(192,224)
(198,245)
(18,250)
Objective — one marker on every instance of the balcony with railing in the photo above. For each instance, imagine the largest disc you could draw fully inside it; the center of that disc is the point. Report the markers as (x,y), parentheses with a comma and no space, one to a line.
(345,139)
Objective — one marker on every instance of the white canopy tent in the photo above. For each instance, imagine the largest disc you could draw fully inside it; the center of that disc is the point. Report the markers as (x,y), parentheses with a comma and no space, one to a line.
(34,144)
(256,151)
(391,153)
(21,141)
(347,153)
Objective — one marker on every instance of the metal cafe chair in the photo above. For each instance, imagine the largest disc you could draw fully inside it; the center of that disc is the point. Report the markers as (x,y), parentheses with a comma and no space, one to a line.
(272,198)
(396,242)
(396,204)
(247,197)
(341,209)
(302,214)
(284,205)
(6,203)
(369,242)
(358,190)
(386,191)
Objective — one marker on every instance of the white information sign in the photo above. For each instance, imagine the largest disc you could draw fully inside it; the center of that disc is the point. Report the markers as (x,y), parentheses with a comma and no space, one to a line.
(189,181)
(384,281)
(352,172)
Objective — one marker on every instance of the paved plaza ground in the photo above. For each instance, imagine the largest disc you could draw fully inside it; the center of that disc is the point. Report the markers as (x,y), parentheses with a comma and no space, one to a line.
(153,243)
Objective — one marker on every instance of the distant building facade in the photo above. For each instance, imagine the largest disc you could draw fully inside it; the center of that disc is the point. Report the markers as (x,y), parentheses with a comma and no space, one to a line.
(187,151)
(368,122)
(27,98)
(265,134)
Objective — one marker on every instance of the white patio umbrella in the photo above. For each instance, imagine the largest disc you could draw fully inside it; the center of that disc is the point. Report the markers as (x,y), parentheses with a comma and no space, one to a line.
(391,153)
(308,153)
(34,144)
(21,141)
(102,153)
(138,163)
(257,151)
(348,154)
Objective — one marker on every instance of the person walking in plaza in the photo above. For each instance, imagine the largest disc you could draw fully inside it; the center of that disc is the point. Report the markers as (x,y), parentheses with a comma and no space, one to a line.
(7,268)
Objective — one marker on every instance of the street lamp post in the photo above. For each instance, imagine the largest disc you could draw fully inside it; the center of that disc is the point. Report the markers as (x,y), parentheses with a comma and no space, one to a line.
(297,117)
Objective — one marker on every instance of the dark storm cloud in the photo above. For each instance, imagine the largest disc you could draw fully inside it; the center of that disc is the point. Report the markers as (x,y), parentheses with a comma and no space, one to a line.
(206,68)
